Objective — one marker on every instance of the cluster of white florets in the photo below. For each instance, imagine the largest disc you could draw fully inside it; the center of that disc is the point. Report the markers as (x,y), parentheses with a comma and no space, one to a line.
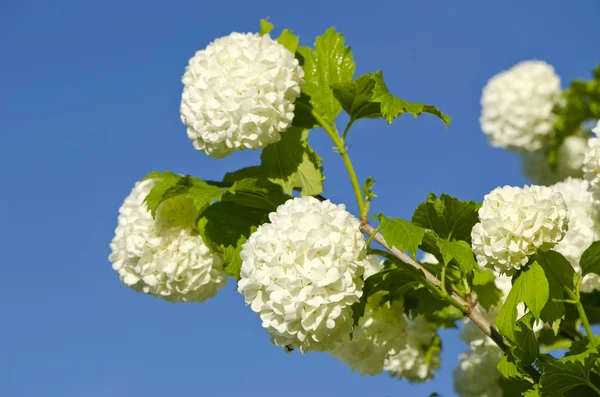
(591,163)
(477,374)
(569,162)
(239,93)
(162,257)
(515,223)
(416,361)
(517,106)
(584,225)
(302,271)
(380,333)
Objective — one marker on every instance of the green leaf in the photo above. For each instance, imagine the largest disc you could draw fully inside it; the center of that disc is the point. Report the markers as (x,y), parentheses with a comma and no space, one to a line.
(226,226)
(531,393)
(509,369)
(401,234)
(590,260)
(460,251)
(289,40)
(561,277)
(559,271)
(530,286)
(252,172)
(331,62)
(562,375)
(291,163)
(484,286)
(265,26)
(437,311)
(392,284)
(449,217)
(355,97)
(392,107)
(526,348)
(163,182)
(367,96)
(368,189)
(303,117)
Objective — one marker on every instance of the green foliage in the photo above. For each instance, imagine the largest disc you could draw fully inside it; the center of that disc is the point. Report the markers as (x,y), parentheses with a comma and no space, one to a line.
(530,286)
(329,63)
(590,260)
(561,278)
(484,286)
(368,189)
(367,96)
(582,103)
(303,117)
(225,213)
(388,285)
(289,40)
(265,26)
(508,369)
(401,234)
(447,216)
(163,182)
(459,251)
(226,226)
(560,376)
(526,348)
(292,164)
(422,301)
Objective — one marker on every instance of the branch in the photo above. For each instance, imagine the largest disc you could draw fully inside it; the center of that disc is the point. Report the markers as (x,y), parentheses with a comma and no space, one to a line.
(471,312)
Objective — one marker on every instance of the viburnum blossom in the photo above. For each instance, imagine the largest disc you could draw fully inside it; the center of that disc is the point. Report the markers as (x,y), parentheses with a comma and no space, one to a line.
(584,225)
(302,271)
(517,106)
(476,374)
(515,223)
(591,163)
(239,93)
(163,257)
(417,360)
(379,333)
(569,162)
(372,265)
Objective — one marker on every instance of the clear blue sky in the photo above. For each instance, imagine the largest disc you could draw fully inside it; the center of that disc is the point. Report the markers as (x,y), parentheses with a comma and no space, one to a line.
(89,103)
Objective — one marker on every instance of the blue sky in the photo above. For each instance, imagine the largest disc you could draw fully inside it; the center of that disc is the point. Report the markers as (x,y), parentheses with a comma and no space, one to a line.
(89,99)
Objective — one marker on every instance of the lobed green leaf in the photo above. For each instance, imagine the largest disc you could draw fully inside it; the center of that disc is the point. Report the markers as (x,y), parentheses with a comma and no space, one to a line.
(560,376)
(402,234)
(530,285)
(329,63)
(449,217)
(292,164)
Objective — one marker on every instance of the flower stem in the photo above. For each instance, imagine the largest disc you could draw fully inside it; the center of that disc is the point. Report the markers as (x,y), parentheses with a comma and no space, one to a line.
(339,144)
(583,317)
(345,134)
(452,297)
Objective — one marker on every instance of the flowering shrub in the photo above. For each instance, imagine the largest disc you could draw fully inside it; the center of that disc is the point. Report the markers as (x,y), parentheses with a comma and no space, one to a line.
(519,272)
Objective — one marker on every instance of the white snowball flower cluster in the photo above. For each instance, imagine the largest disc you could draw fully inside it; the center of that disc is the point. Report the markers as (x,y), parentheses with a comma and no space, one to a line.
(516,222)
(569,163)
(239,93)
(591,163)
(157,258)
(476,374)
(584,225)
(372,265)
(303,271)
(517,106)
(416,361)
(379,333)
